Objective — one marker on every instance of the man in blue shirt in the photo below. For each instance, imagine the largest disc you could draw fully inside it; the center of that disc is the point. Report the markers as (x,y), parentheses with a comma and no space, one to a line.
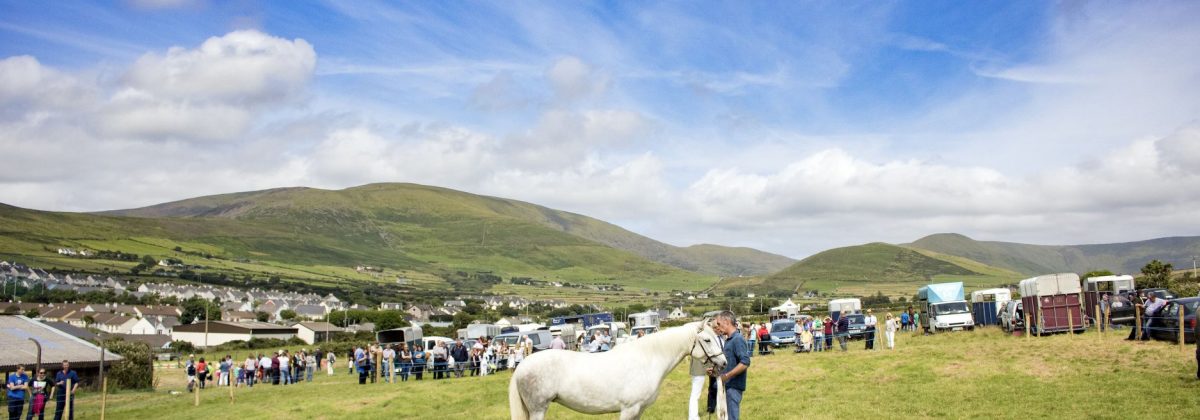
(61,391)
(17,385)
(737,357)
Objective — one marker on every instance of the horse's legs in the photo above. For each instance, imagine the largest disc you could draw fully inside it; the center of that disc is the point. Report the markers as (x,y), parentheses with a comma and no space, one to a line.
(539,414)
(633,412)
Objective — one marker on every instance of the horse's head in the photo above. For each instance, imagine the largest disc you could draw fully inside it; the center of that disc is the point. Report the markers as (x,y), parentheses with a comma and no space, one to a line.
(708,346)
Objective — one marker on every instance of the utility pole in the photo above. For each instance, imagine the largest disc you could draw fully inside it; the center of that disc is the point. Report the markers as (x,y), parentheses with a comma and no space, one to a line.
(206,303)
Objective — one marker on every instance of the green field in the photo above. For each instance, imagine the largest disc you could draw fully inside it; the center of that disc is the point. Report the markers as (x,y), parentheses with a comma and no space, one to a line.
(981,374)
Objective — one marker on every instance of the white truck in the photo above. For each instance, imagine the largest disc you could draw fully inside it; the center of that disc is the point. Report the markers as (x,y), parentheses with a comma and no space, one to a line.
(943,307)
(850,306)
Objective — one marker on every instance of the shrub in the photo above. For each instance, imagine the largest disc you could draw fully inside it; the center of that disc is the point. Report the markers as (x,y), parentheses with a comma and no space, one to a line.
(135,370)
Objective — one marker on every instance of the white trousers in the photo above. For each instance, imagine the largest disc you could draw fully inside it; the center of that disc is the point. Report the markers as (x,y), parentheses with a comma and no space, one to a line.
(891,337)
(698,383)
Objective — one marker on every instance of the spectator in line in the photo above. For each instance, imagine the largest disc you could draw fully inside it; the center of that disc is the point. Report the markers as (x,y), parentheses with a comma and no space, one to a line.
(389,364)
(248,369)
(737,357)
(405,361)
(558,343)
(223,372)
(764,338)
(890,328)
(1152,306)
(418,361)
(439,354)
(818,332)
(64,392)
(843,329)
(753,337)
(904,320)
(829,330)
(285,368)
(1105,306)
(475,358)
(310,365)
(40,390)
(265,366)
(18,390)
(870,322)
(360,361)
(460,356)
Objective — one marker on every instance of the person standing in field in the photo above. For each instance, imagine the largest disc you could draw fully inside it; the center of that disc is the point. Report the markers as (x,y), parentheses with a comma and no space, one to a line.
(460,356)
(405,360)
(753,337)
(360,361)
(310,365)
(329,363)
(737,357)
(249,367)
(202,372)
(63,391)
(40,388)
(438,353)
(818,332)
(557,343)
(18,390)
(904,320)
(843,329)
(890,330)
(870,322)
(389,358)
(418,361)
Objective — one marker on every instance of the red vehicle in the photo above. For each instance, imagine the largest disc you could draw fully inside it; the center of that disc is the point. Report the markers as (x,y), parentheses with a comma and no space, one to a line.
(1053,303)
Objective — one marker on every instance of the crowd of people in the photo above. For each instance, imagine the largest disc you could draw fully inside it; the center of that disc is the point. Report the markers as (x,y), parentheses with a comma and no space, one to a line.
(443,360)
(36,392)
(280,368)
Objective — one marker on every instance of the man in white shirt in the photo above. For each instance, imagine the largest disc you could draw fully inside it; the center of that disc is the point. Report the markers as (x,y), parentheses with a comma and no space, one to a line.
(870,322)
(264,364)
(1154,305)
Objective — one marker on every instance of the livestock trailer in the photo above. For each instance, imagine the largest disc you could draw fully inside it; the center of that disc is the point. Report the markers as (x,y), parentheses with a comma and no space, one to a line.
(1117,288)
(944,307)
(849,305)
(407,335)
(985,305)
(1052,303)
(584,320)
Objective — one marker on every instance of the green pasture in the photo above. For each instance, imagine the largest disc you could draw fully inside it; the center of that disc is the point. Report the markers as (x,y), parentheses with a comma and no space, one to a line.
(980,374)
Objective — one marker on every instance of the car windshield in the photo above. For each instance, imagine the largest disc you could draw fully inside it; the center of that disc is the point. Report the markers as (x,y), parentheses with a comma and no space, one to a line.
(952,308)
(1190,307)
(783,327)
(856,319)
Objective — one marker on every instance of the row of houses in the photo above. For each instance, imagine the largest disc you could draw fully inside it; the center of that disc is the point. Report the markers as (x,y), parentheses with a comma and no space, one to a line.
(111,318)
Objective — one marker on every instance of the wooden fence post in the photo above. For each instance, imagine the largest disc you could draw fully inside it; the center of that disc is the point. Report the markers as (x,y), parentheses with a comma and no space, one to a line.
(196,389)
(68,392)
(1181,339)
(1100,325)
(1137,328)
(230,381)
(1027,326)
(103,396)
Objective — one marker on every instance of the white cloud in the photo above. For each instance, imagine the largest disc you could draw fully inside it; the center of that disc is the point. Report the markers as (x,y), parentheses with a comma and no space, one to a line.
(242,66)
(572,79)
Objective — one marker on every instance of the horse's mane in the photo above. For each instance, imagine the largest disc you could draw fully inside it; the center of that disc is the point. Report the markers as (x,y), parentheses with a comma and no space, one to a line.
(664,341)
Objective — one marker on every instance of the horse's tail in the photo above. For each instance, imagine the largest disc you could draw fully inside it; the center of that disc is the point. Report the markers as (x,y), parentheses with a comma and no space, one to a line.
(516,406)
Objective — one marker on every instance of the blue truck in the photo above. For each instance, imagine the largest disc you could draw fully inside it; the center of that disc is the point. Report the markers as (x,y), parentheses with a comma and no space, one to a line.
(587,320)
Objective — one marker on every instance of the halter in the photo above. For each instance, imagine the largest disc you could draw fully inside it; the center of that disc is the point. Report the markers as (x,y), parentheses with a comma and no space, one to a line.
(707,357)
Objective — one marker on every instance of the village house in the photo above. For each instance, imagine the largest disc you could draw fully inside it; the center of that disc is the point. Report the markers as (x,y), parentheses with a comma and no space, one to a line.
(315,332)
(221,332)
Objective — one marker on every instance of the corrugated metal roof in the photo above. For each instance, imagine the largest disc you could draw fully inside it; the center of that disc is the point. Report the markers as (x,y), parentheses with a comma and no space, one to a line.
(17,349)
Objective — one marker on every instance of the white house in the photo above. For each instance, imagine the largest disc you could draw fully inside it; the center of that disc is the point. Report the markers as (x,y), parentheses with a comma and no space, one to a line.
(143,326)
(315,332)
(221,332)
(678,313)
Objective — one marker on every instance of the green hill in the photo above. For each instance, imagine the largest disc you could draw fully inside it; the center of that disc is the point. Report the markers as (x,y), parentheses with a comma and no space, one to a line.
(430,238)
(1127,257)
(414,217)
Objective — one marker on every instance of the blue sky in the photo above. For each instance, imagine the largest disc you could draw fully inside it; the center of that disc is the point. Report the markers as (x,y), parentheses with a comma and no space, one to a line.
(791,127)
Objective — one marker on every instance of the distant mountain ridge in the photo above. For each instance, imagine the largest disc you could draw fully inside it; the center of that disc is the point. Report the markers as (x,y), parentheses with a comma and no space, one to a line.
(1126,257)
(360,210)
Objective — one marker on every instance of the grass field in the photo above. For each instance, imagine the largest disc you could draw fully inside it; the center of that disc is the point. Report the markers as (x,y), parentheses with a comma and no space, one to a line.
(962,375)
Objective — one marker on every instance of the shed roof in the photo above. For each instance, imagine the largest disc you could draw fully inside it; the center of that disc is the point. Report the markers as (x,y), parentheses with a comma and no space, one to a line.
(16,348)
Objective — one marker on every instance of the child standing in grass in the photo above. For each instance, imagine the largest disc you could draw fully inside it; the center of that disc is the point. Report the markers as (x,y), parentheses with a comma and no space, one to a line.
(890,330)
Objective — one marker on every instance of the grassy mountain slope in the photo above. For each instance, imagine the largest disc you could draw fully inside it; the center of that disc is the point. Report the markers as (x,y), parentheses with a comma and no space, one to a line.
(1030,260)
(416,217)
(416,232)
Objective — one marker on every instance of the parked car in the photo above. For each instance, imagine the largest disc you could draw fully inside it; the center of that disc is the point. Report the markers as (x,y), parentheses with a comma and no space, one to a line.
(1011,316)
(1166,327)
(783,332)
(858,326)
(541,338)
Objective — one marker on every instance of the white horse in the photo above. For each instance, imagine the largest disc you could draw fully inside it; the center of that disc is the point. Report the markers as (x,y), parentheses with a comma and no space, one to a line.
(625,379)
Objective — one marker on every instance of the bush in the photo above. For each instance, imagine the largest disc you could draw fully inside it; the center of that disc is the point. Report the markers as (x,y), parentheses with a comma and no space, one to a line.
(181,346)
(135,371)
